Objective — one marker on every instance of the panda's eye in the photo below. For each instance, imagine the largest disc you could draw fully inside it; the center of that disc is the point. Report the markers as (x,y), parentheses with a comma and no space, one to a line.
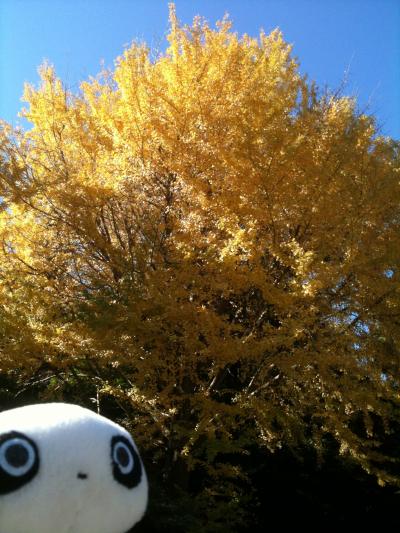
(127,467)
(123,457)
(17,456)
(19,461)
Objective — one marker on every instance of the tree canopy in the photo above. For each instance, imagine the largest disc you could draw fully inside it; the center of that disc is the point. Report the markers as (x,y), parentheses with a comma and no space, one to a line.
(210,242)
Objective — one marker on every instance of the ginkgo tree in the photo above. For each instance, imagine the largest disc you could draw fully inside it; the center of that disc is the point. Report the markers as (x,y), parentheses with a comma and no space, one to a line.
(215,244)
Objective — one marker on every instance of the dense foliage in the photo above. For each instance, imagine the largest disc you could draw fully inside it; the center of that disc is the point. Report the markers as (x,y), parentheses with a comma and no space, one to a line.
(209,248)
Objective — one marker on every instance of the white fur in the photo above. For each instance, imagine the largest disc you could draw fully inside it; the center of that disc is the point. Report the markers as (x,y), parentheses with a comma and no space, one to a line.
(70,440)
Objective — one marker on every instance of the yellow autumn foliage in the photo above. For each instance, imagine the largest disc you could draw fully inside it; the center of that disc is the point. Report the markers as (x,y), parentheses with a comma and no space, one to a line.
(211,240)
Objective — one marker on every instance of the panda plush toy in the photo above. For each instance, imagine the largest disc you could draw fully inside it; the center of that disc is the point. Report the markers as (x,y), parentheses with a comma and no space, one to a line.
(65,469)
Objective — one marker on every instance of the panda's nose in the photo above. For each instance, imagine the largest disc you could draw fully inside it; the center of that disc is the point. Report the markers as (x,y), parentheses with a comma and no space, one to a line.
(82,475)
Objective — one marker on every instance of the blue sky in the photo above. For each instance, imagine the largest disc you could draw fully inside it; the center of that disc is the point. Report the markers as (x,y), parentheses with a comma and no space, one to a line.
(330,38)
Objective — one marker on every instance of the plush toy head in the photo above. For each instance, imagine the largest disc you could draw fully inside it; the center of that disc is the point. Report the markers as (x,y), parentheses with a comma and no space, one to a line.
(65,469)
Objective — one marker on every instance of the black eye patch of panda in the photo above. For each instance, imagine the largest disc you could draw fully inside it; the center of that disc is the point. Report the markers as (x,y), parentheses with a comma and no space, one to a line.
(19,461)
(127,466)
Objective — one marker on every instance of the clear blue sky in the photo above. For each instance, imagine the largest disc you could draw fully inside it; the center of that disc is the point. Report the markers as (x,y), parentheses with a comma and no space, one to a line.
(330,37)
